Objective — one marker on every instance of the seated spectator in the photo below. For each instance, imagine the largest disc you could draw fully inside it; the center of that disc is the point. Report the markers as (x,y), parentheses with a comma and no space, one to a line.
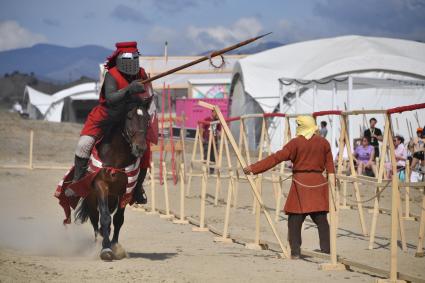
(416,147)
(364,155)
(400,157)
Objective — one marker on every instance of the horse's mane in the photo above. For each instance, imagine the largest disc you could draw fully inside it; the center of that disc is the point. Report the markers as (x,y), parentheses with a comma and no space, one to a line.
(116,116)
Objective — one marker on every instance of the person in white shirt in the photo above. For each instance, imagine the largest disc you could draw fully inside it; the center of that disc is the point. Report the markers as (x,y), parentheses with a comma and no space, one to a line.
(400,156)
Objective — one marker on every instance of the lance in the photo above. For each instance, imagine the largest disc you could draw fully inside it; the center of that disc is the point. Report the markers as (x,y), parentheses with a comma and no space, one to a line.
(204,58)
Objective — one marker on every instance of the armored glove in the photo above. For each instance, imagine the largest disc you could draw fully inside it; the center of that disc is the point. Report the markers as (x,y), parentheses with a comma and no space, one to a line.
(135,87)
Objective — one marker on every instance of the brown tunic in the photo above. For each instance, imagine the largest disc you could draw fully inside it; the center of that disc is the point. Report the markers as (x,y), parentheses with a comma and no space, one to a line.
(306,155)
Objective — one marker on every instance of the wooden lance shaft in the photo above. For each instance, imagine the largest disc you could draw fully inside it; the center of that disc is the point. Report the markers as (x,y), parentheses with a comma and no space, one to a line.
(249,177)
(202,59)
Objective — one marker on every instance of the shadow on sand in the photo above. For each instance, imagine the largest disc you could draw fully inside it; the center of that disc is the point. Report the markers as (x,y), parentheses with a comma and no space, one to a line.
(152,256)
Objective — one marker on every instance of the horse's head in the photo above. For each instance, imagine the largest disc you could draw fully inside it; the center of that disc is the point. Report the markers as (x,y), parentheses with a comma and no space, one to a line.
(136,127)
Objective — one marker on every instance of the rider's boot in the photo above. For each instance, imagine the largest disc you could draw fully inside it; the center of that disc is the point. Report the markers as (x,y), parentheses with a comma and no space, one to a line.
(139,194)
(80,169)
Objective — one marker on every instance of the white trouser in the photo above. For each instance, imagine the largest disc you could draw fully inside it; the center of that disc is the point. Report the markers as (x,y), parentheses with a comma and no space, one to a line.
(84,146)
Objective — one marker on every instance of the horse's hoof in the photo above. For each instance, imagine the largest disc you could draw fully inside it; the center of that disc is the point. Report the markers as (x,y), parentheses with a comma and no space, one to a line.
(106,255)
(118,251)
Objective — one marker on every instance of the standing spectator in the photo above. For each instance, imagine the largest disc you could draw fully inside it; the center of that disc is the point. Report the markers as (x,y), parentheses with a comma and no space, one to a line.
(205,134)
(17,107)
(364,156)
(374,135)
(323,130)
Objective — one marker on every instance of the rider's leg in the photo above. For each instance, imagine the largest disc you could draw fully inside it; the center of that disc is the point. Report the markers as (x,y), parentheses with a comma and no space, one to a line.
(138,192)
(82,154)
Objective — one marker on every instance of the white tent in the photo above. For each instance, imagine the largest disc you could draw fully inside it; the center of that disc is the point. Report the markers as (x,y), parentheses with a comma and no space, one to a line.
(71,104)
(383,73)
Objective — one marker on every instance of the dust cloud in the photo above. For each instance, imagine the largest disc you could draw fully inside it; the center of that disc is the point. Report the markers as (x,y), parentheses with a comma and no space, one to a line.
(44,236)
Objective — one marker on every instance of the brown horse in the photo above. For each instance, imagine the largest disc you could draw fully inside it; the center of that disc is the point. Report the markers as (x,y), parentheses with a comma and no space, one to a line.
(123,142)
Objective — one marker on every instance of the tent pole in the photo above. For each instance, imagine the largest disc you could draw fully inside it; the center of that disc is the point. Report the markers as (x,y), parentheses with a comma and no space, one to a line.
(314,97)
(297,100)
(349,93)
(334,90)
(281,133)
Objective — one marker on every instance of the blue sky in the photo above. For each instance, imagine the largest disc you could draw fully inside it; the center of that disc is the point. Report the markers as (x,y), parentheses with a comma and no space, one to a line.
(194,26)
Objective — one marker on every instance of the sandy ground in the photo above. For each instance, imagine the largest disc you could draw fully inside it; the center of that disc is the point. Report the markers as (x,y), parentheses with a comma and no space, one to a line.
(34,246)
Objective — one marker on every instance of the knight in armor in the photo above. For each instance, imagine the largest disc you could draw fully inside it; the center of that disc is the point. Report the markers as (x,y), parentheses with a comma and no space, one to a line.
(120,82)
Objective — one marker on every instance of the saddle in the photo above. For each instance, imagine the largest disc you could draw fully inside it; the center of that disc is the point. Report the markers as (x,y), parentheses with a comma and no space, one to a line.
(83,186)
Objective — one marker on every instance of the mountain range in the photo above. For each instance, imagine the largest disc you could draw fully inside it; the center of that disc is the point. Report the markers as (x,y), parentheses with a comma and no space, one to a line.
(54,63)
(66,64)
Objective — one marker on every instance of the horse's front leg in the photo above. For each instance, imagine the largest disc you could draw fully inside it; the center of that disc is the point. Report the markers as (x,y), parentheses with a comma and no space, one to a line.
(105,219)
(117,249)
(118,221)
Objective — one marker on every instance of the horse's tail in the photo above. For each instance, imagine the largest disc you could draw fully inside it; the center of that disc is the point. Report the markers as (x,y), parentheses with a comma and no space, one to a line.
(82,211)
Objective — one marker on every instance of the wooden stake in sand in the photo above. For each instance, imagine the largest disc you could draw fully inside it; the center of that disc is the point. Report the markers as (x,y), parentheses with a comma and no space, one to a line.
(256,245)
(165,184)
(249,177)
(153,200)
(407,193)
(30,165)
(182,219)
(193,160)
(419,249)
(333,212)
(225,237)
(202,227)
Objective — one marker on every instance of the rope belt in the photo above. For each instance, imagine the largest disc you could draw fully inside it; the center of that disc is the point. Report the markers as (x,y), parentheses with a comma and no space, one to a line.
(307,171)
(308,186)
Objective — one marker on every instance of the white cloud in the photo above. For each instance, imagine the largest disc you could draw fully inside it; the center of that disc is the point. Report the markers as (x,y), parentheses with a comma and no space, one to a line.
(207,38)
(12,36)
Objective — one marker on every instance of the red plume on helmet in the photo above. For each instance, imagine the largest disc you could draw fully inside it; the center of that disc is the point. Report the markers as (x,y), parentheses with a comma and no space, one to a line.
(129,46)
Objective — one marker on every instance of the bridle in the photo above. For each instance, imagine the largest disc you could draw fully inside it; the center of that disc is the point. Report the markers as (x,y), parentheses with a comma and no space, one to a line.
(127,135)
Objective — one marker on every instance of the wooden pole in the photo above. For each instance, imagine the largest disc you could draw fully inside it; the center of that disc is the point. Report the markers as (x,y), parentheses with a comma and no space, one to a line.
(225,237)
(153,200)
(218,170)
(333,265)
(395,205)
(421,236)
(243,164)
(171,137)
(202,227)
(407,193)
(378,188)
(256,244)
(344,191)
(165,184)
(229,165)
(353,173)
(279,192)
(198,144)
(210,138)
(30,160)
(182,219)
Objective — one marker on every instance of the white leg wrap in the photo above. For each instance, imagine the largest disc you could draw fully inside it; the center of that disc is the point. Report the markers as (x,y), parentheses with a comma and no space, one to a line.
(84,146)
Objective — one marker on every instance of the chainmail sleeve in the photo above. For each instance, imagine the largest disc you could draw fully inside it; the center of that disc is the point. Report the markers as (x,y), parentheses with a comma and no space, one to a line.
(112,94)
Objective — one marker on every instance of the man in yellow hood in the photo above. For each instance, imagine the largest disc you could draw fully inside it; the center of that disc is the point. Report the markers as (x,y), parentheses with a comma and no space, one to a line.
(308,196)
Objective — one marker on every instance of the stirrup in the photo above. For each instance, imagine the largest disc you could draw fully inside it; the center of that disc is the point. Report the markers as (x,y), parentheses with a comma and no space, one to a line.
(70,193)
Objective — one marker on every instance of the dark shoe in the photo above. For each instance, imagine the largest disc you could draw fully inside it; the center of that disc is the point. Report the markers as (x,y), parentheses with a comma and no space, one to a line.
(139,195)
(322,251)
(80,169)
(295,256)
